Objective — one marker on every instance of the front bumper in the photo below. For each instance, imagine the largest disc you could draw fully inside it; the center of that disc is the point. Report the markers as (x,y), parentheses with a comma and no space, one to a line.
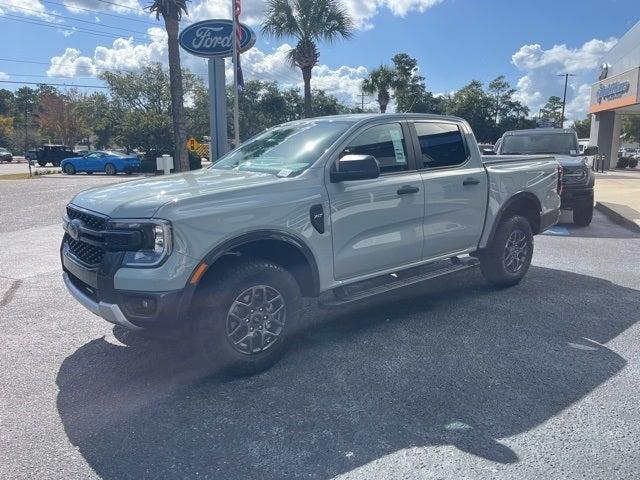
(576,197)
(136,310)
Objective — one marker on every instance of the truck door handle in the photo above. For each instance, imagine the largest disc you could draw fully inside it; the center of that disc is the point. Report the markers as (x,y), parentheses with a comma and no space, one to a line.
(407,189)
(470,181)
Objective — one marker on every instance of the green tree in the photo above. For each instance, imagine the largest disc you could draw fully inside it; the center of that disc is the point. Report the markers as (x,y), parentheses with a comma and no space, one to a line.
(61,118)
(475,106)
(631,128)
(7,101)
(97,111)
(381,80)
(172,11)
(310,22)
(552,110)
(501,93)
(583,127)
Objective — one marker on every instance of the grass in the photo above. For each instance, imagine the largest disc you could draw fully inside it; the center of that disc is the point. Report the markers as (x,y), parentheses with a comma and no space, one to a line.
(14,176)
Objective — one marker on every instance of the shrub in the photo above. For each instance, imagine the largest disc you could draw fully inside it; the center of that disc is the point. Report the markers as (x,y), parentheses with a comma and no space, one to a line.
(623,162)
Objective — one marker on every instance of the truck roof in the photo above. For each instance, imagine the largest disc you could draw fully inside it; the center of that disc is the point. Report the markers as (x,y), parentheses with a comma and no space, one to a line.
(534,131)
(361,117)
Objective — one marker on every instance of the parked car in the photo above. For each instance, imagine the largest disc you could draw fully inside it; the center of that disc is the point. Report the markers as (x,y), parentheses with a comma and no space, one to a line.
(53,154)
(31,156)
(341,208)
(101,161)
(5,155)
(577,178)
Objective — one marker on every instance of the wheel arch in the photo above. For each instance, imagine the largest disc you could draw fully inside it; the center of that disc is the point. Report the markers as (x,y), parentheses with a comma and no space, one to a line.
(283,248)
(522,203)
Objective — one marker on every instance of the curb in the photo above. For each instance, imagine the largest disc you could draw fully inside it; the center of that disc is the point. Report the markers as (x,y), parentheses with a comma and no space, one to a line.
(613,212)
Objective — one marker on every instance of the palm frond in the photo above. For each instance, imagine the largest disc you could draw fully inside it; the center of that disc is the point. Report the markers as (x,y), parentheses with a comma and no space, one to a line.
(280,20)
(168,8)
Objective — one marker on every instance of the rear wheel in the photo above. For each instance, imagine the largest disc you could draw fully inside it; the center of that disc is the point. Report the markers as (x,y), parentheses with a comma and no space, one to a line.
(42,163)
(246,317)
(507,259)
(583,214)
(110,169)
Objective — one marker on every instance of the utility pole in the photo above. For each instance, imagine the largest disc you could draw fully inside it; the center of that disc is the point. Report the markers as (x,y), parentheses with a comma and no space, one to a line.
(564,98)
(362,95)
(26,136)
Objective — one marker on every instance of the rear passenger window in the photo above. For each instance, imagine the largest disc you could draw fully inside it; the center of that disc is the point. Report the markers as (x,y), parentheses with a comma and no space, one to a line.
(384,142)
(441,145)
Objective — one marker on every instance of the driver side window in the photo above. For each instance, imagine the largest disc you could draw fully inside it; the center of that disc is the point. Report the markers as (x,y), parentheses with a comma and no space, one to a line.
(384,142)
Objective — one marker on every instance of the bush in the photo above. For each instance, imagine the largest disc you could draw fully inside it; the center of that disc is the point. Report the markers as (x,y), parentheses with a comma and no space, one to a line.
(148,162)
(623,162)
(633,162)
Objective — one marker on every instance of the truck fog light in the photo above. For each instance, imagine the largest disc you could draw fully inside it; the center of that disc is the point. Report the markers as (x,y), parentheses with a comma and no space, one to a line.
(141,305)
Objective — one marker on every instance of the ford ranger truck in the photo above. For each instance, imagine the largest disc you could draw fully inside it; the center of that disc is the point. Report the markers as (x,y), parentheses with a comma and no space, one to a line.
(338,208)
(577,178)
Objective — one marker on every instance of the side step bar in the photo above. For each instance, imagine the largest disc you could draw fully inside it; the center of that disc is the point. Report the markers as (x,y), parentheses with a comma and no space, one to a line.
(387,283)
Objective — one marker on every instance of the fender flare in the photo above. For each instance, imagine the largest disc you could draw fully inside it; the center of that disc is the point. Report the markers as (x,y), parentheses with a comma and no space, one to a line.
(508,204)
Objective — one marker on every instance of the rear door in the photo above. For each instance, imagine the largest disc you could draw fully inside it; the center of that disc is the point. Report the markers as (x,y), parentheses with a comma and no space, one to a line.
(377,224)
(455,186)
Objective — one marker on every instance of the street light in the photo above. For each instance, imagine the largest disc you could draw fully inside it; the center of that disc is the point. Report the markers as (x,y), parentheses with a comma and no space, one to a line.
(564,99)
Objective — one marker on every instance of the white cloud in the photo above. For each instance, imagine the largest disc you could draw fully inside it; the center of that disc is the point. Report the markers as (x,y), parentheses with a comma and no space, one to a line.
(27,8)
(542,67)
(4,76)
(128,7)
(123,54)
(362,11)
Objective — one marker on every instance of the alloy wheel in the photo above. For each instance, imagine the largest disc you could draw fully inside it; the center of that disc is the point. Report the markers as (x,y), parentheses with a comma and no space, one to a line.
(256,319)
(516,251)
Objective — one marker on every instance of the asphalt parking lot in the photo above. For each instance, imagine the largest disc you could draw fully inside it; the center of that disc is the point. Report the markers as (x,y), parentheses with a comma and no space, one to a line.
(453,379)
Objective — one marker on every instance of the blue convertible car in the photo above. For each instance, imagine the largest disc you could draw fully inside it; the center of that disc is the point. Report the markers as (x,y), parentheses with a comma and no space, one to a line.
(101,161)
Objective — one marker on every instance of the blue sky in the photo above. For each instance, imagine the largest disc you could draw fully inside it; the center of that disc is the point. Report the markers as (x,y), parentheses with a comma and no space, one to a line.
(453,40)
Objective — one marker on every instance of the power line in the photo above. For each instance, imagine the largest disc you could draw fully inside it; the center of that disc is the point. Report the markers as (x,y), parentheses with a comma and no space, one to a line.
(100,12)
(122,6)
(53,84)
(43,23)
(77,20)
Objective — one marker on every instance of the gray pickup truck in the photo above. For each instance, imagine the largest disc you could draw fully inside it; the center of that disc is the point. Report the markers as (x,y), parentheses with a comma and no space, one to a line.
(577,179)
(340,208)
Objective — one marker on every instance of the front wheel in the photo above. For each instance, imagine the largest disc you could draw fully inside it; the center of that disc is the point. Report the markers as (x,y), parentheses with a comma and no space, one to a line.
(583,215)
(42,163)
(246,317)
(69,169)
(110,169)
(507,259)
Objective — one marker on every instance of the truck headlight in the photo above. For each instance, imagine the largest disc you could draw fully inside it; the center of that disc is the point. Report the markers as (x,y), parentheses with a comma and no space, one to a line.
(146,243)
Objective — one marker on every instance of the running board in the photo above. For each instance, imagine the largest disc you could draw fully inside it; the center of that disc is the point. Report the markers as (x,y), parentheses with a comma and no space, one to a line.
(387,283)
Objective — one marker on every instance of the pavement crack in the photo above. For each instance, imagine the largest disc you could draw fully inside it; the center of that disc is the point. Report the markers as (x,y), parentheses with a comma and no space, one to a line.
(9,294)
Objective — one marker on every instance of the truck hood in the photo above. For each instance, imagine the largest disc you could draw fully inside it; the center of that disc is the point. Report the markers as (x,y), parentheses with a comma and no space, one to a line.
(142,198)
(569,161)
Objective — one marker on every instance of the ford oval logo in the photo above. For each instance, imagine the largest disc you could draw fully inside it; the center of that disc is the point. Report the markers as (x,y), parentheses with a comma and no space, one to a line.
(213,38)
(73,228)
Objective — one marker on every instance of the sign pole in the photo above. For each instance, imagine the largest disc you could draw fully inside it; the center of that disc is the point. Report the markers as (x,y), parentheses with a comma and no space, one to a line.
(234,36)
(217,108)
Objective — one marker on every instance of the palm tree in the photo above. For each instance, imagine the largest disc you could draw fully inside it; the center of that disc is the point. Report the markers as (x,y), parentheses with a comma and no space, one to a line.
(309,21)
(380,80)
(172,11)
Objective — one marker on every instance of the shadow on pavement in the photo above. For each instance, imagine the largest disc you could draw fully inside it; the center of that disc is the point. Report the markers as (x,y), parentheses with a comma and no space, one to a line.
(455,364)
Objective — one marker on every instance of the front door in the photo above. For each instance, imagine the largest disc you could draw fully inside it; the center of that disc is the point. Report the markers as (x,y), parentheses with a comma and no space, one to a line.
(455,185)
(377,224)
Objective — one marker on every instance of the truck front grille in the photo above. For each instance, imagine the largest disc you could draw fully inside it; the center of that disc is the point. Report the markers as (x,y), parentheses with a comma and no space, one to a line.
(91,255)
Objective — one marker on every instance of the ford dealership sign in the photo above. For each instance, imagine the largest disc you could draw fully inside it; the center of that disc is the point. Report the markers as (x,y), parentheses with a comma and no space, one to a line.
(213,38)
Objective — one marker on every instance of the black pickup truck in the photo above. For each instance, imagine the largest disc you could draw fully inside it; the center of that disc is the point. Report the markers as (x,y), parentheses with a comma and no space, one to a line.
(53,154)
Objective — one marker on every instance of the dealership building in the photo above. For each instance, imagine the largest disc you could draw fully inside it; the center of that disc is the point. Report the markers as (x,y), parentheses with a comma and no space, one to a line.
(615,94)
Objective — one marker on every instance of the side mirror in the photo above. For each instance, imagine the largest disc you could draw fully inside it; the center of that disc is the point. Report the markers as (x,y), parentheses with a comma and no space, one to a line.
(355,167)
(591,150)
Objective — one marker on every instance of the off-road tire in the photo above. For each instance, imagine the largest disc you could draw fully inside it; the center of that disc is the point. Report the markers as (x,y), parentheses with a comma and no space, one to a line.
(209,332)
(493,259)
(110,169)
(583,215)
(42,163)
(69,169)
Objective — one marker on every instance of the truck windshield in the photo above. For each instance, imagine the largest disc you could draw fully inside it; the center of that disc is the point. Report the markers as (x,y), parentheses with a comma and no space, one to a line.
(284,150)
(540,143)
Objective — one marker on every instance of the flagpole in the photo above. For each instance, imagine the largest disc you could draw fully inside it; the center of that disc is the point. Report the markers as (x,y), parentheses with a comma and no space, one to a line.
(236,114)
